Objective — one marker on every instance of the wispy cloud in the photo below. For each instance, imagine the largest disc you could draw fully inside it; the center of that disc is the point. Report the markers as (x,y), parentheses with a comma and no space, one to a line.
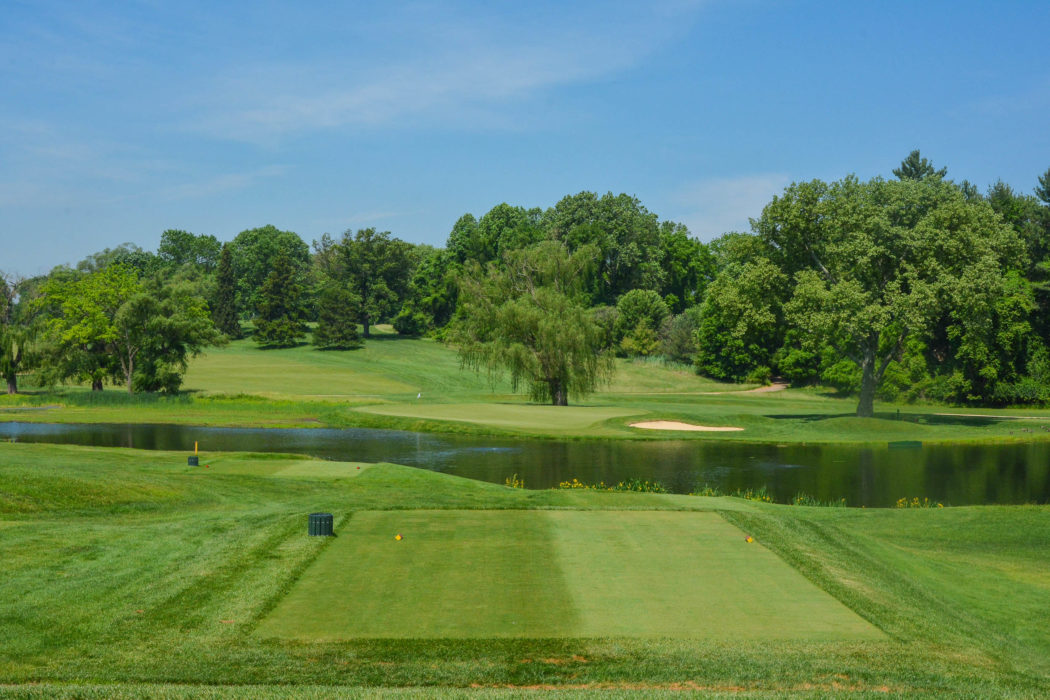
(447,69)
(714,206)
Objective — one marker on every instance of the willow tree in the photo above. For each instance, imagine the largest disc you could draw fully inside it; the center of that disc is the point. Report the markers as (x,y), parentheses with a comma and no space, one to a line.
(525,315)
(874,263)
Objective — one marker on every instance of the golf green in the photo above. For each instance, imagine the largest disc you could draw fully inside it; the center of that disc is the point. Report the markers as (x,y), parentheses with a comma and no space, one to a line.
(510,416)
(554,574)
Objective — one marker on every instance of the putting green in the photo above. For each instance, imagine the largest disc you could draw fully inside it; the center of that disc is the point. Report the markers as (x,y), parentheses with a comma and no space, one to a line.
(512,416)
(554,574)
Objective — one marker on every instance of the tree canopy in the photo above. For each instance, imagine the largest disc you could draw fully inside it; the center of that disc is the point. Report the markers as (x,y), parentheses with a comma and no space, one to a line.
(525,315)
(873,263)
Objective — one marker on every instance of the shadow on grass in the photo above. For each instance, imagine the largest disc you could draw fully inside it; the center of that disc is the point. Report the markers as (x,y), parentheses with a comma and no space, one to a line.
(919,418)
(809,417)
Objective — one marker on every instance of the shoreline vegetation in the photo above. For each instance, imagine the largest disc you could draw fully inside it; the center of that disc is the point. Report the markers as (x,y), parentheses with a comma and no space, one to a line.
(165,579)
(418,385)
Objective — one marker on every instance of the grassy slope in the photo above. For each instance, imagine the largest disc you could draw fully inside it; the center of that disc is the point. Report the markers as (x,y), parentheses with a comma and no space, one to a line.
(418,384)
(129,567)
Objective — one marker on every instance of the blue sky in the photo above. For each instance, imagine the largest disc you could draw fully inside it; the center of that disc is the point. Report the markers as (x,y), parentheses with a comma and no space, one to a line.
(121,119)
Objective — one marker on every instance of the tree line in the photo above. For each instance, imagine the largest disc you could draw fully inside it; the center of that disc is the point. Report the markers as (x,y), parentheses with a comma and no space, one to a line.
(905,288)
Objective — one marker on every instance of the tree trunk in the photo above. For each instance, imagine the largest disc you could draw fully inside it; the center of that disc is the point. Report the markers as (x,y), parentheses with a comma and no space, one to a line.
(364,323)
(12,384)
(866,407)
(96,384)
(130,373)
(558,395)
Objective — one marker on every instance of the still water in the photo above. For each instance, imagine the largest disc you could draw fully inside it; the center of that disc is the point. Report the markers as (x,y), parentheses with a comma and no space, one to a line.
(869,476)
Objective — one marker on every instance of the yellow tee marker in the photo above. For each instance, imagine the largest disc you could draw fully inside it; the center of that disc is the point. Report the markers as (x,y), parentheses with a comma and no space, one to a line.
(398,537)
(749,539)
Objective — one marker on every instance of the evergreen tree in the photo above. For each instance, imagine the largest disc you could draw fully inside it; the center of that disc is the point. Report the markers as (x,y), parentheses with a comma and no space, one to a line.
(915,167)
(1042,191)
(281,313)
(337,314)
(224,310)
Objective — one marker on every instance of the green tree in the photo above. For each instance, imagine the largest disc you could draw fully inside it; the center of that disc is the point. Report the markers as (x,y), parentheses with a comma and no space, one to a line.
(371,265)
(179,248)
(280,319)
(688,267)
(640,313)
(1042,190)
(17,332)
(224,308)
(109,325)
(741,320)
(87,338)
(173,323)
(337,313)
(253,254)
(129,255)
(464,241)
(432,293)
(873,262)
(915,167)
(626,234)
(526,316)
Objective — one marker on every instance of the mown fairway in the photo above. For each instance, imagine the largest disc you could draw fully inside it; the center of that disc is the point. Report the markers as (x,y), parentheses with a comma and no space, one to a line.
(554,574)
(132,575)
(418,384)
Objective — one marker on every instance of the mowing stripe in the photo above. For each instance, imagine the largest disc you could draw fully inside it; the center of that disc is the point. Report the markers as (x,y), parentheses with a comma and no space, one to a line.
(692,575)
(454,574)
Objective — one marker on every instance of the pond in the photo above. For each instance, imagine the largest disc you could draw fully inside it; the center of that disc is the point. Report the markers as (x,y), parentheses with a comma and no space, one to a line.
(868,476)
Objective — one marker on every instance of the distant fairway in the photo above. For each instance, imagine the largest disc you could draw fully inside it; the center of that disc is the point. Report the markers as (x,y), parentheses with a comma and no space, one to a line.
(483,574)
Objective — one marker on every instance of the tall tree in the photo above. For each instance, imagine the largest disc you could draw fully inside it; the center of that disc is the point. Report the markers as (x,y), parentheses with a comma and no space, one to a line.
(741,320)
(109,325)
(179,248)
(687,264)
(83,327)
(874,262)
(526,316)
(626,234)
(281,315)
(174,324)
(224,308)
(1042,190)
(915,167)
(337,314)
(254,252)
(375,267)
(16,332)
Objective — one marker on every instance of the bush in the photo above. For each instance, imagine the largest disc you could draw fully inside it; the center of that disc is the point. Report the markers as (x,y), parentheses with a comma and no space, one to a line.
(760,375)
(411,322)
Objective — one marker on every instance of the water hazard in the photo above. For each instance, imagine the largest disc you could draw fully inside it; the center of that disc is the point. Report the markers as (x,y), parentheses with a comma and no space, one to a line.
(869,476)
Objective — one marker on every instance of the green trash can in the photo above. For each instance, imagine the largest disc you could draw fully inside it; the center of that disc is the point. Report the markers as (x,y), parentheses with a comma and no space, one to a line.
(193,461)
(320,525)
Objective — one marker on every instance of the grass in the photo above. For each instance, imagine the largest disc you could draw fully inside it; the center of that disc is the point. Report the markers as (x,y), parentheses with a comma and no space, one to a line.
(129,574)
(554,574)
(418,384)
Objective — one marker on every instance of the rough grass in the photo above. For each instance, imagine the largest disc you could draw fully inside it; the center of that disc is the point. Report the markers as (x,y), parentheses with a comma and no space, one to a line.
(130,573)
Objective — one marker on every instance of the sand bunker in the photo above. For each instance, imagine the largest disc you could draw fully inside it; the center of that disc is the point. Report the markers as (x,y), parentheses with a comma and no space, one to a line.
(675,425)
